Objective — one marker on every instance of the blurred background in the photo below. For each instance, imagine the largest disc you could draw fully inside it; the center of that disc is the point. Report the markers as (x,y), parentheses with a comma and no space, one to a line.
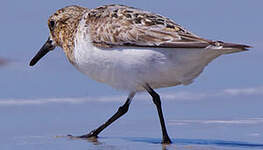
(54,98)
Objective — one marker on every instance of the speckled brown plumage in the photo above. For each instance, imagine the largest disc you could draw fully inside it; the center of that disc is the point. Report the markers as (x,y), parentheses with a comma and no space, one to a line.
(118,25)
(63,26)
(113,25)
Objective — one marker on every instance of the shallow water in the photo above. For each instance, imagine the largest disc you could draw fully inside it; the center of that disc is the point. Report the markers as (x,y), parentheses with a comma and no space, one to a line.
(45,126)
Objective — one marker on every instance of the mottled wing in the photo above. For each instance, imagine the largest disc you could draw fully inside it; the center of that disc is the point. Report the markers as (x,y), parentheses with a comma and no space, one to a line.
(117,25)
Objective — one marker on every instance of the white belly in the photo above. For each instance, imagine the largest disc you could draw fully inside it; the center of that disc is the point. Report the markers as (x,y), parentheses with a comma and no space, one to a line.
(129,68)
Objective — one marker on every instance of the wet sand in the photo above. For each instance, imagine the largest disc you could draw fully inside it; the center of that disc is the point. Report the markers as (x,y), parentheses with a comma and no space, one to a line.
(45,126)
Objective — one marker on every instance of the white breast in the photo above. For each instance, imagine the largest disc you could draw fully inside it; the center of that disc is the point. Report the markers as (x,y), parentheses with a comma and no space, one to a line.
(128,68)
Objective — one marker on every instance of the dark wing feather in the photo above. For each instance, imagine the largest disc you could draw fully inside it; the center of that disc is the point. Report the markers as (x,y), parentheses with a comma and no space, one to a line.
(117,25)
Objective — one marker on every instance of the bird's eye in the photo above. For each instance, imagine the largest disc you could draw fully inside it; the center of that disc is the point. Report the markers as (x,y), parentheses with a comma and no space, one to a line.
(52,25)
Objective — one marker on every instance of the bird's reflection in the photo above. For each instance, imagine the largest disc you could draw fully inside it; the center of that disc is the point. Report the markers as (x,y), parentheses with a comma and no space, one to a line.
(92,140)
(165,146)
(96,141)
(200,142)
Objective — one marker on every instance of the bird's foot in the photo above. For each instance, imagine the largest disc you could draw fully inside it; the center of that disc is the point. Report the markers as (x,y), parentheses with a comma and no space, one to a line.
(91,135)
(166,140)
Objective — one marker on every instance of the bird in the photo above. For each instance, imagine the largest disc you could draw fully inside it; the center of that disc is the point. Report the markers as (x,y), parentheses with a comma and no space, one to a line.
(132,50)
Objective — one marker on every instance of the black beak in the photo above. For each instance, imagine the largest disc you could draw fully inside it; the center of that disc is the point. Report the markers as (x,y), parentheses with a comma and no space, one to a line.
(48,46)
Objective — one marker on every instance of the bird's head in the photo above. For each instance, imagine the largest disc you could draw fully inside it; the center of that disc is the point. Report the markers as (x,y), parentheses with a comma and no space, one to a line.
(62,27)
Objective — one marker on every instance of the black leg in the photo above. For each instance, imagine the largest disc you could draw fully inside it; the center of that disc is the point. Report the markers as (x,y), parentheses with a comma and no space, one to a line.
(157,102)
(121,111)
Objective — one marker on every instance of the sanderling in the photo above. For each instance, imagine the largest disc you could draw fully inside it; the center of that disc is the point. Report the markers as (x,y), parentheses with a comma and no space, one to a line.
(131,49)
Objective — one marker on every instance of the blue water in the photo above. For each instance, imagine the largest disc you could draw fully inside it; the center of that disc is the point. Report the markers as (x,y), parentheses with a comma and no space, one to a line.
(45,126)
